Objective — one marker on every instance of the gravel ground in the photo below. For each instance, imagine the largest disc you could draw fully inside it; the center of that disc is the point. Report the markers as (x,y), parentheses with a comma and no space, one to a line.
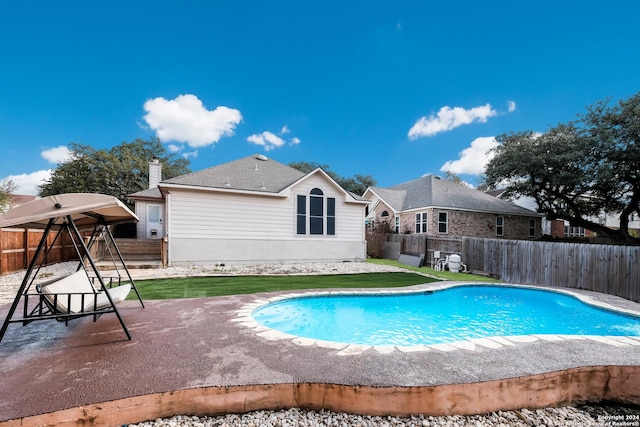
(583,416)
(603,414)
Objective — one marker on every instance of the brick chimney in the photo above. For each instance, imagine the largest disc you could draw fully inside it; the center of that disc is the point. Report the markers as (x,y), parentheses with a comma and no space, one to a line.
(155,173)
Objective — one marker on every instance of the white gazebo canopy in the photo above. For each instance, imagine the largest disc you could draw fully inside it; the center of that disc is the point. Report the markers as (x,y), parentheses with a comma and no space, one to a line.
(86,209)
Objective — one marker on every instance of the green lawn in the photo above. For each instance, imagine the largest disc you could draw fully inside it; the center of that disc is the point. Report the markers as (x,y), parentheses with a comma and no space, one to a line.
(197,287)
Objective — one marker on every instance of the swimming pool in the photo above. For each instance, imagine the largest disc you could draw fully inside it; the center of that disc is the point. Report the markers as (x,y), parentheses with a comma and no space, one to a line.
(442,316)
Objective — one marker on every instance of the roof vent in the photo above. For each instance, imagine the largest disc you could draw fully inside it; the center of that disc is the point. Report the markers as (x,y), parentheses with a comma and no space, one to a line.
(262,157)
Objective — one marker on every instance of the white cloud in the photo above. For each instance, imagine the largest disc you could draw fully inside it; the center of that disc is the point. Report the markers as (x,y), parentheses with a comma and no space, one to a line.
(511,105)
(173,148)
(295,141)
(284,130)
(267,139)
(188,154)
(27,182)
(450,118)
(185,119)
(57,155)
(473,160)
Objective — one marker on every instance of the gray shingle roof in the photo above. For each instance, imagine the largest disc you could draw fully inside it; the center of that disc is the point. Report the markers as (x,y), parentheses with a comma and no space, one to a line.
(251,173)
(150,193)
(430,191)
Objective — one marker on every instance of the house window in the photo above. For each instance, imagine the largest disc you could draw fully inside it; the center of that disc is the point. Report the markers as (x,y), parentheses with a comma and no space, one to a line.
(316,214)
(331,216)
(570,231)
(384,214)
(499,226)
(421,222)
(443,222)
(301,216)
(532,228)
(316,211)
(397,224)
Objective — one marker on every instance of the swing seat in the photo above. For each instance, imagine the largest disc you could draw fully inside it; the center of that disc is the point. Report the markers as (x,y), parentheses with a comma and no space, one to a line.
(75,294)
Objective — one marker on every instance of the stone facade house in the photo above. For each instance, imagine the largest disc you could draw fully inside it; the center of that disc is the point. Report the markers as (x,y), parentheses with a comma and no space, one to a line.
(433,206)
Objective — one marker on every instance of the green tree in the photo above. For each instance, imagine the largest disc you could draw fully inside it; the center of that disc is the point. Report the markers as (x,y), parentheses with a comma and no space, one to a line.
(7,188)
(452,176)
(357,184)
(578,171)
(117,171)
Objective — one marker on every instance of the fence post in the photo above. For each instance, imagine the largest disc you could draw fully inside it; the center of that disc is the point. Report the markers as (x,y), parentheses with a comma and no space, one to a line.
(25,245)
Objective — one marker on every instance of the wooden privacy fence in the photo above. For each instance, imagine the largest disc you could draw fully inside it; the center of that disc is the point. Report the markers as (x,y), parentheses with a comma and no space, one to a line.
(609,269)
(18,245)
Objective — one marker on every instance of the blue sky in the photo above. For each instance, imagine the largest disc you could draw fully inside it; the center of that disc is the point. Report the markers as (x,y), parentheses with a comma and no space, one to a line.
(394,90)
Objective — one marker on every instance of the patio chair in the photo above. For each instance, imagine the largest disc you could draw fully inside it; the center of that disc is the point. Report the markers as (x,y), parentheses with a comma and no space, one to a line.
(76,294)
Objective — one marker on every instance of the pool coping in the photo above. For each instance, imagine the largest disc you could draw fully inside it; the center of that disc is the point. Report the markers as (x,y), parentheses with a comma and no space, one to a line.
(245,319)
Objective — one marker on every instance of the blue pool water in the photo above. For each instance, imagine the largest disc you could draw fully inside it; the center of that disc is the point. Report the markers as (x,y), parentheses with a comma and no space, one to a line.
(454,314)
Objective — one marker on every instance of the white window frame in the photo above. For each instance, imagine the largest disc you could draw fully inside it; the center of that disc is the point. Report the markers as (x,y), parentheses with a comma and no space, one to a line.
(499,226)
(445,222)
(306,214)
(422,223)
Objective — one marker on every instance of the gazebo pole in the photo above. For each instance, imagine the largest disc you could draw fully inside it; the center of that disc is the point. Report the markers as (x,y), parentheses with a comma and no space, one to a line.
(25,281)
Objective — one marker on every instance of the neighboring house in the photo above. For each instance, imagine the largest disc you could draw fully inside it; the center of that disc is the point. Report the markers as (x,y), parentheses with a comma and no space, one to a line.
(563,229)
(433,206)
(17,200)
(555,228)
(252,210)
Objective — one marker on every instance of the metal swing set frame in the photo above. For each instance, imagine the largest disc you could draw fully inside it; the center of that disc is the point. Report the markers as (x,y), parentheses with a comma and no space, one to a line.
(87,292)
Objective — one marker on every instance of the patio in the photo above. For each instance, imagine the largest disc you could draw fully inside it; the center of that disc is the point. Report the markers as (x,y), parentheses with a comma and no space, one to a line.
(188,356)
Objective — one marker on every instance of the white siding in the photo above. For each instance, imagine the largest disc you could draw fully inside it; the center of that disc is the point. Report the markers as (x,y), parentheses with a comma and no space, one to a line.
(201,215)
(216,227)
(349,216)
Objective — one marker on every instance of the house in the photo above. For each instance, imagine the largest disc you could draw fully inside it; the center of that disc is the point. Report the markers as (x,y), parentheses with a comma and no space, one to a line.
(16,200)
(251,210)
(553,228)
(562,229)
(433,206)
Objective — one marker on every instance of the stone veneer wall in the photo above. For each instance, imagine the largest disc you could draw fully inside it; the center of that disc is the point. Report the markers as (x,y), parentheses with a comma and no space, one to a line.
(473,224)
(463,223)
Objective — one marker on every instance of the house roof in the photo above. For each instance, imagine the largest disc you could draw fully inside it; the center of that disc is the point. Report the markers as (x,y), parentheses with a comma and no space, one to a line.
(151,193)
(21,199)
(251,173)
(431,191)
(255,174)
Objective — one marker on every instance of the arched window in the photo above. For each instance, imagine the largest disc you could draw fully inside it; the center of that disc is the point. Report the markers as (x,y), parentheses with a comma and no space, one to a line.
(316,214)
(384,214)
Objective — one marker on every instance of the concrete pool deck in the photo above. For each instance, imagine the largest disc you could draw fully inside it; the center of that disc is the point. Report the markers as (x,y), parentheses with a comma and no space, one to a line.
(193,356)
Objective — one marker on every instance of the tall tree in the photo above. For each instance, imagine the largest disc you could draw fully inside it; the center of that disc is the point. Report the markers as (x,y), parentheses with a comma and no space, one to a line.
(578,171)
(358,184)
(118,171)
(452,176)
